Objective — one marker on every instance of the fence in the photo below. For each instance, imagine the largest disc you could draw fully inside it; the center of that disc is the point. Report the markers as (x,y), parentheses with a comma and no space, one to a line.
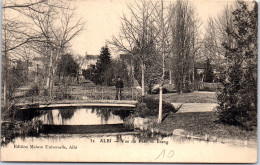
(75,93)
(204,86)
(105,93)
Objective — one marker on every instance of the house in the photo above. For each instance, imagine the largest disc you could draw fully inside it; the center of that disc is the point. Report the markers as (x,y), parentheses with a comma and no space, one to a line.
(89,60)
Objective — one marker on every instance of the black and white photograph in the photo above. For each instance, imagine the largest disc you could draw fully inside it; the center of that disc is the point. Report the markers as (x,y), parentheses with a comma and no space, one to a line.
(133,81)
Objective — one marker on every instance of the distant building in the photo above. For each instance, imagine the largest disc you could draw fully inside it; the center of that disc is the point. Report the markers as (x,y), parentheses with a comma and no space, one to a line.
(89,60)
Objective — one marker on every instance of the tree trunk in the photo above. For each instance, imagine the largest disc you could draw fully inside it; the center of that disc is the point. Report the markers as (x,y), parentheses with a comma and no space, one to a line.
(5,68)
(163,68)
(170,76)
(5,103)
(160,106)
(143,90)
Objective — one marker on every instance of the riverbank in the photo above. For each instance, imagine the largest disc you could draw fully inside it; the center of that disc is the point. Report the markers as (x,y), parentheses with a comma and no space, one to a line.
(201,125)
(13,129)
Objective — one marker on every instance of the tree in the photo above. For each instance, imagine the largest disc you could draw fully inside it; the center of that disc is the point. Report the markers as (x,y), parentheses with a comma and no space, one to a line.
(67,66)
(137,34)
(117,68)
(211,44)
(16,34)
(89,73)
(238,99)
(44,27)
(209,75)
(184,26)
(103,63)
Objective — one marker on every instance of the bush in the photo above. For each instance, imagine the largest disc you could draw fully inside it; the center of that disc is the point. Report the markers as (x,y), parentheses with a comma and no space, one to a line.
(33,91)
(148,106)
(22,115)
(142,110)
(157,90)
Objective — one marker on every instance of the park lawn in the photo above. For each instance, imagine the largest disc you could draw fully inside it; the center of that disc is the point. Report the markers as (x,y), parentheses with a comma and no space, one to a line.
(194,97)
(201,123)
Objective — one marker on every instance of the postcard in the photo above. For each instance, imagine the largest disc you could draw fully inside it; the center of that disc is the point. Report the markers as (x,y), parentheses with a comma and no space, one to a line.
(154,81)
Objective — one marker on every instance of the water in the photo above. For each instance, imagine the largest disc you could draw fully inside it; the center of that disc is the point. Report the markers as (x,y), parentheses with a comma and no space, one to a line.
(110,142)
(83,116)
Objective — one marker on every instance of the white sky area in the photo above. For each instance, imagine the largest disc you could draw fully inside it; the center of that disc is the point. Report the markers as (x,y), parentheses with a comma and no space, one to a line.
(103,20)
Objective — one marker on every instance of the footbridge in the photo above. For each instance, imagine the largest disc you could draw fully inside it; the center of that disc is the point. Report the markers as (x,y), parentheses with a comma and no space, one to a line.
(120,104)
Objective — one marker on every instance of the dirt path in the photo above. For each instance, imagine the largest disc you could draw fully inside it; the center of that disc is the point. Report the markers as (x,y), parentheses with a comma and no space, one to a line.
(195,107)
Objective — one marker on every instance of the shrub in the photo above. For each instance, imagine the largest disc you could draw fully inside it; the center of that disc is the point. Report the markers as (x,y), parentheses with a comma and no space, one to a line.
(157,90)
(142,110)
(23,115)
(148,106)
(33,91)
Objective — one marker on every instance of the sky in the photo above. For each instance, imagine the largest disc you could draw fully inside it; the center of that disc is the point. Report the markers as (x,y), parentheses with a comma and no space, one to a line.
(103,20)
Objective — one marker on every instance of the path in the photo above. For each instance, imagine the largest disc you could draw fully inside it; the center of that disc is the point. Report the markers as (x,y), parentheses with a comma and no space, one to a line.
(196,107)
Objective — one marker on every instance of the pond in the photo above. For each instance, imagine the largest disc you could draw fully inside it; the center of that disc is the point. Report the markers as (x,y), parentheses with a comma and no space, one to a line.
(98,135)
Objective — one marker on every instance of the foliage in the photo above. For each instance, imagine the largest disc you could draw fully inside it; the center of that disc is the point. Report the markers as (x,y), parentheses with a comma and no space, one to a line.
(67,66)
(184,26)
(142,111)
(89,73)
(209,75)
(24,115)
(238,99)
(33,91)
(117,68)
(157,90)
(152,68)
(16,77)
(148,106)
(106,70)
(97,72)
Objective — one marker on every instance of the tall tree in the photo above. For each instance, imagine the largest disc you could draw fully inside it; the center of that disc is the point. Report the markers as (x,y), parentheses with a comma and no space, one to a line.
(238,99)
(102,64)
(211,46)
(184,24)
(42,26)
(137,34)
(67,66)
(16,34)
(57,27)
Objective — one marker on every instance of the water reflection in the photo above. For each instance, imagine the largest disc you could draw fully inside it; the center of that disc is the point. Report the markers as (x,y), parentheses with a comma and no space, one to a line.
(84,116)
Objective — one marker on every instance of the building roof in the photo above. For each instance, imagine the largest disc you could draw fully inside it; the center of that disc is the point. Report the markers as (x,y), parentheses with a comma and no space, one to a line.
(92,57)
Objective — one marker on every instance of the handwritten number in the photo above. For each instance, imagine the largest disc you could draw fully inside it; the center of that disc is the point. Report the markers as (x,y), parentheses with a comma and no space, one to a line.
(163,152)
(169,155)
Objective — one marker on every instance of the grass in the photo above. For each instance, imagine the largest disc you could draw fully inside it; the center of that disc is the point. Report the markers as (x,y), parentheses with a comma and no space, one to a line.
(194,97)
(201,123)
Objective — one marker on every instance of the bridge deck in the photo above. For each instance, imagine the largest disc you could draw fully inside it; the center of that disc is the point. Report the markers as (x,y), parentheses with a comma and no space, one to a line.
(93,103)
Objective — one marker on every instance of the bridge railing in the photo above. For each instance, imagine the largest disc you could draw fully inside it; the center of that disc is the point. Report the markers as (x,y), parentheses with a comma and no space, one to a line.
(90,94)
(107,93)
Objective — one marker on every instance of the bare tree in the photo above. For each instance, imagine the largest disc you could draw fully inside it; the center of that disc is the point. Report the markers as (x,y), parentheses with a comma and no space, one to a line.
(184,43)
(46,27)
(16,34)
(57,27)
(224,23)
(137,34)
(211,46)
(163,44)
